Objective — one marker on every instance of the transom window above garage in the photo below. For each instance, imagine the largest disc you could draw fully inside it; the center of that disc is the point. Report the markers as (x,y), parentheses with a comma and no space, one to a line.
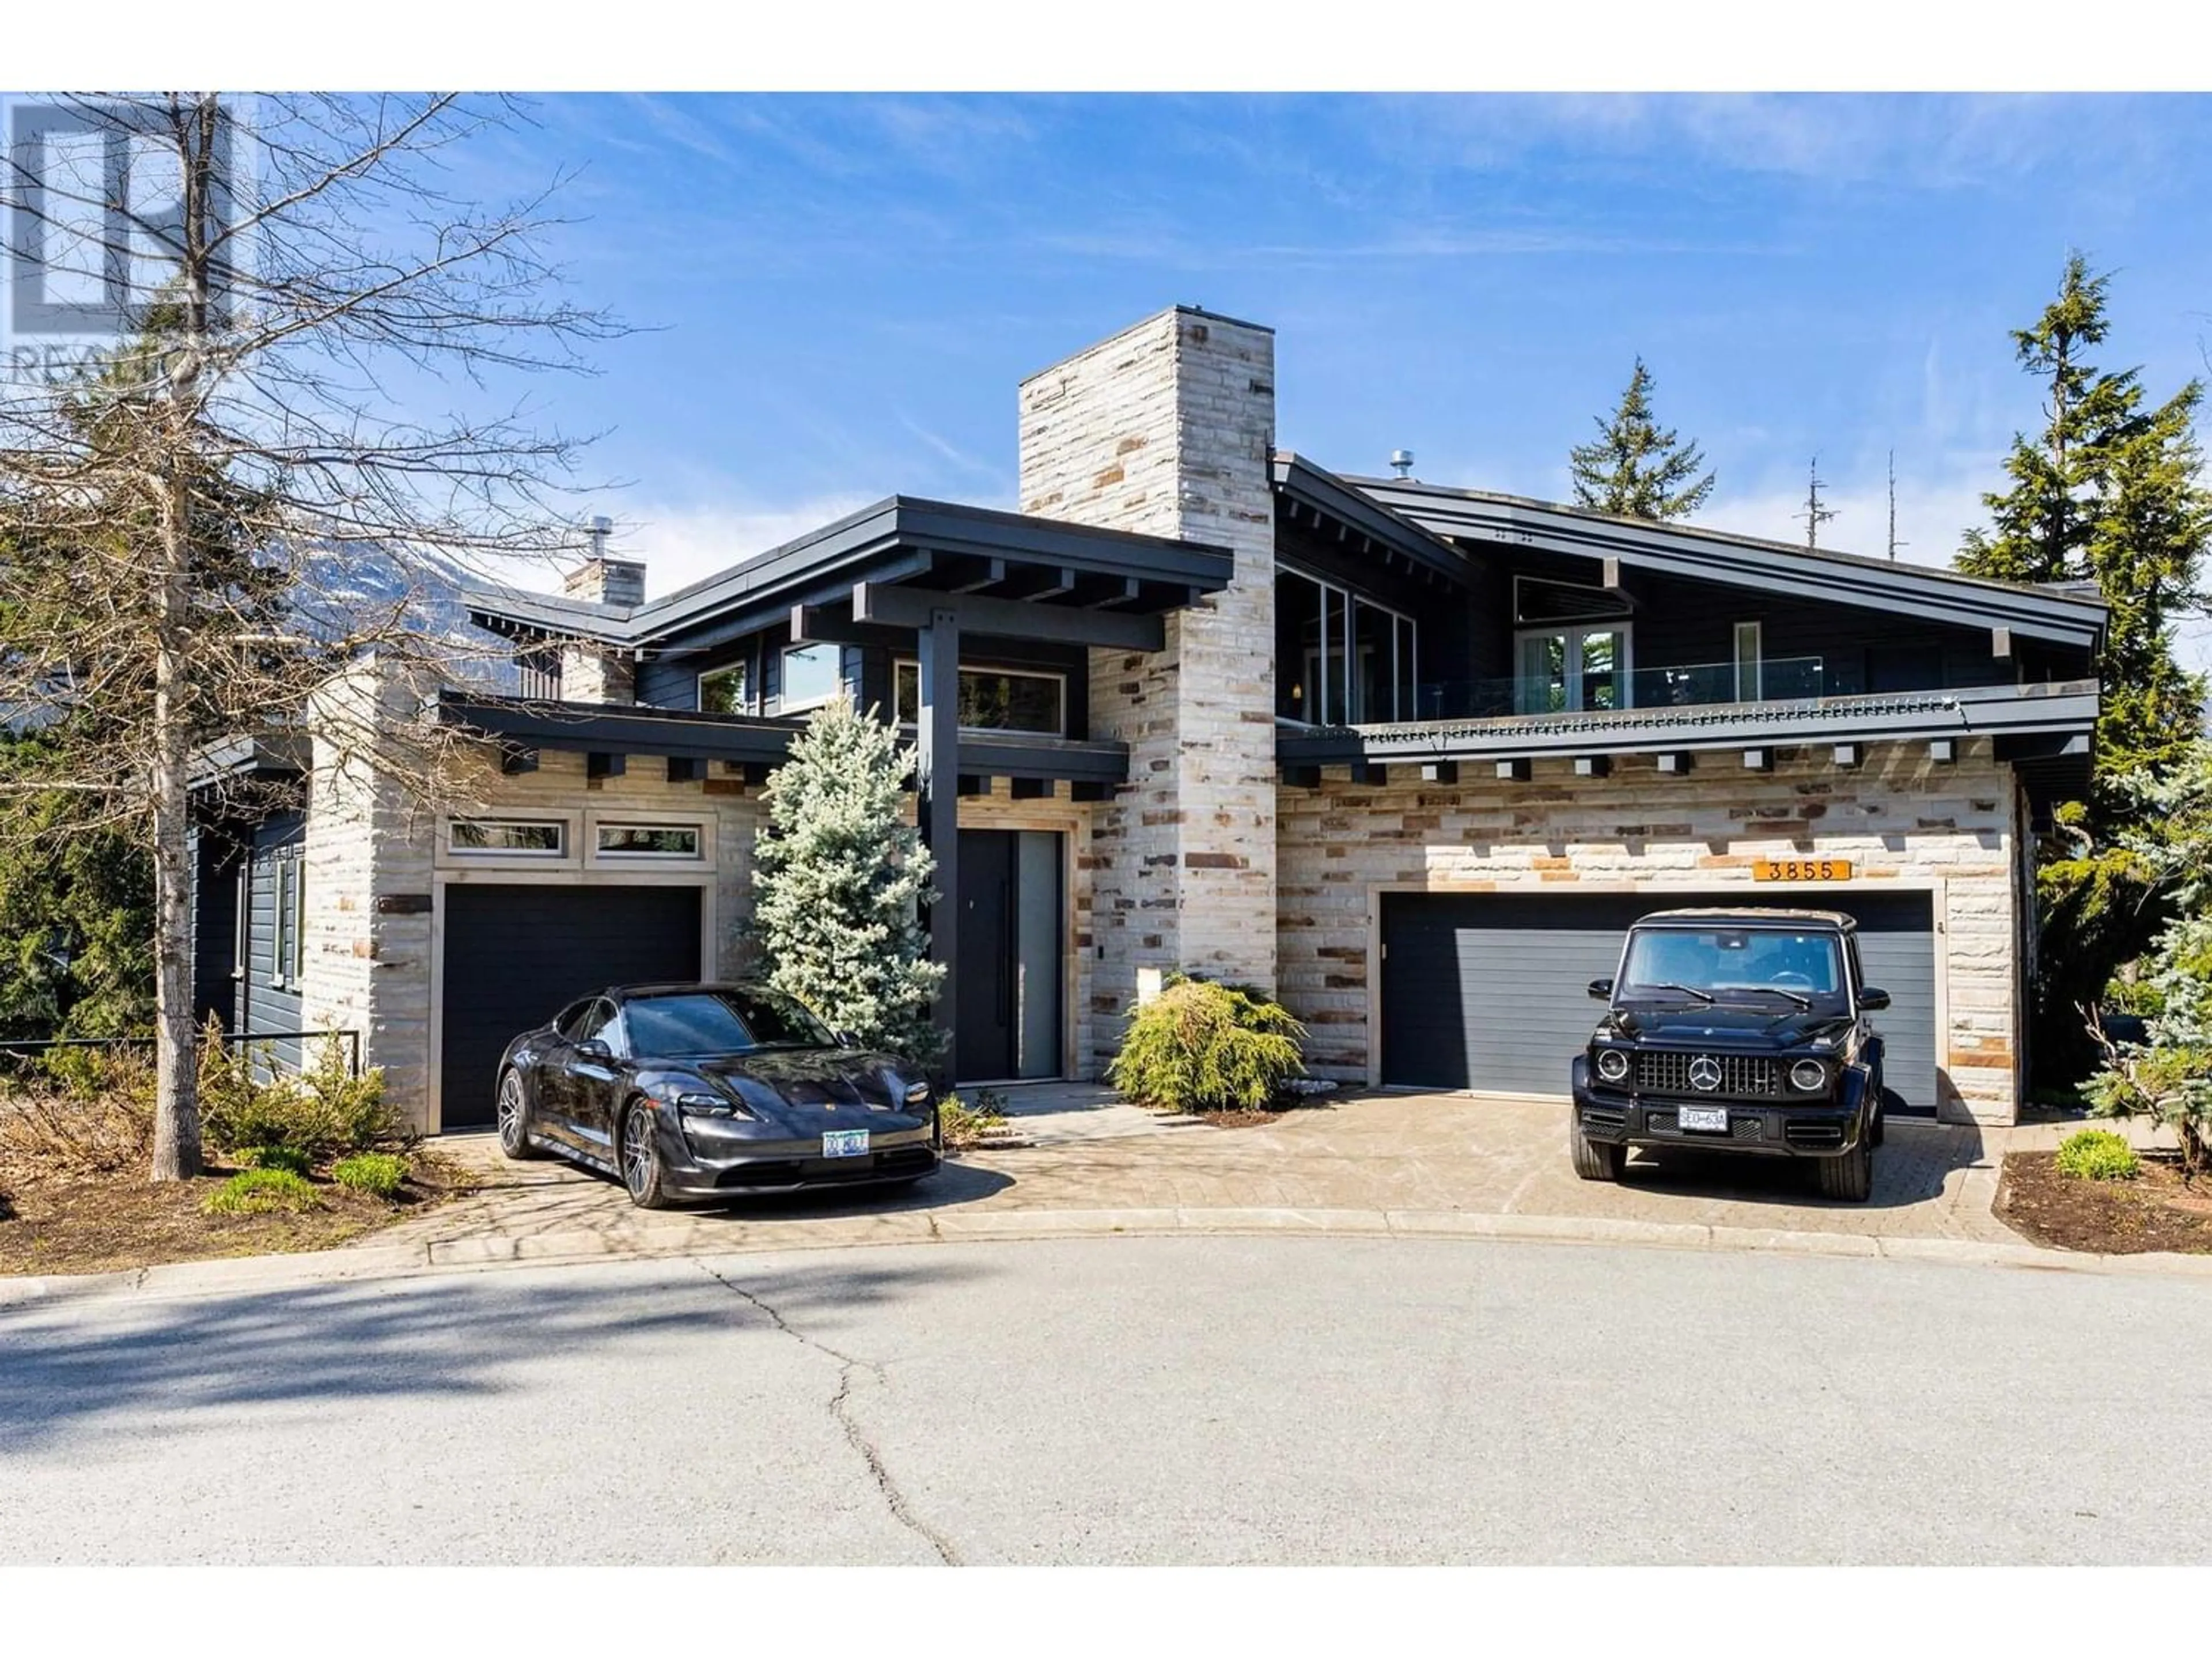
(994,700)
(545,838)
(649,840)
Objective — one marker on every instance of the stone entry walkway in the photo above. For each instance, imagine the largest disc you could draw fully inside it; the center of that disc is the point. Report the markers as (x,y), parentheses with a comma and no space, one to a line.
(1342,1162)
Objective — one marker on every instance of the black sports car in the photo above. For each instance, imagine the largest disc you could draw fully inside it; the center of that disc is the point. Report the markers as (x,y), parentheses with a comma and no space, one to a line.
(708,1091)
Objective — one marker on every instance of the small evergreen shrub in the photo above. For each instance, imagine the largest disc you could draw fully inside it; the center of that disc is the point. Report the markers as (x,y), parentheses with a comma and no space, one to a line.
(381,1174)
(263,1192)
(277,1158)
(2098,1155)
(1201,1046)
(320,1114)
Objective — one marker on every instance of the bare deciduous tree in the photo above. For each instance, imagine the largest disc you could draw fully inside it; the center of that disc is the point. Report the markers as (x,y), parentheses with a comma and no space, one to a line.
(206,522)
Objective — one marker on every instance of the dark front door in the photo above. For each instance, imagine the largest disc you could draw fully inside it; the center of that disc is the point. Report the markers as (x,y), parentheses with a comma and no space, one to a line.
(1010,956)
(516,955)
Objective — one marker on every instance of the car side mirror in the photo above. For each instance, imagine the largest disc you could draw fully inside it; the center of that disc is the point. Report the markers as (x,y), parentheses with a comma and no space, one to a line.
(594,1048)
(1602,989)
(846,1039)
(1872,1001)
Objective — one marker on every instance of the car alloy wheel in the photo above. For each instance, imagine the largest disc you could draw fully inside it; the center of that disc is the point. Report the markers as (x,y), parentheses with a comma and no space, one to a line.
(513,1117)
(640,1158)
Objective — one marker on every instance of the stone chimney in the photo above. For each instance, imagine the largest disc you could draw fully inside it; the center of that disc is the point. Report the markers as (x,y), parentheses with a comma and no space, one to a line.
(604,580)
(588,672)
(1168,429)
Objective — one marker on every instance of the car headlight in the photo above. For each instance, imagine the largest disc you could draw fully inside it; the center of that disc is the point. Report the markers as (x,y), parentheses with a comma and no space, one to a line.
(1613,1064)
(1809,1075)
(694,1102)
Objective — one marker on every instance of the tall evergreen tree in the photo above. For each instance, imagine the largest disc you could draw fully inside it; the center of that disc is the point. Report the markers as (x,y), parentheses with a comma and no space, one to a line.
(838,877)
(1634,469)
(2110,492)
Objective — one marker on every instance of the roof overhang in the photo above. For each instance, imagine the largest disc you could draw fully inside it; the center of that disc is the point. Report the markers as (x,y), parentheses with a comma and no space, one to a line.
(1314,496)
(520,727)
(2045,731)
(938,547)
(1943,596)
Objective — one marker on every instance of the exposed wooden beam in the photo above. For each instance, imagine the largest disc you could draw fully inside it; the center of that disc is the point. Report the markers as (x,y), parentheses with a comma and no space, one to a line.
(1593,765)
(911,607)
(994,572)
(1513,771)
(1029,788)
(516,758)
(819,624)
(1127,592)
(1440,772)
(598,764)
(685,768)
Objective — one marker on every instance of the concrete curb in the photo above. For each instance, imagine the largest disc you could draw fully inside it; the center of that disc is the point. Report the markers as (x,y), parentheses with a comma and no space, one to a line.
(686,1235)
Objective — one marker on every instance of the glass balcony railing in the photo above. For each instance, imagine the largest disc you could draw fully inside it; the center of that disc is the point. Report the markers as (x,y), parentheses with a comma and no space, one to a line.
(1785,679)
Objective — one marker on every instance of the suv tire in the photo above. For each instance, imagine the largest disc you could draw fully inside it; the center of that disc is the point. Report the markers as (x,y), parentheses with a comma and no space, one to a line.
(1849,1177)
(1594,1160)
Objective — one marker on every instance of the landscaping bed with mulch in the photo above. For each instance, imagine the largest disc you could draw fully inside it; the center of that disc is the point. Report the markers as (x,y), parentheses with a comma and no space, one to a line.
(97,1223)
(2152,1211)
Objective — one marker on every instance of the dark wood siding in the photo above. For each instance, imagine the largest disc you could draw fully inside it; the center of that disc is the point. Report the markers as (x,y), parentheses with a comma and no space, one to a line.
(269,1001)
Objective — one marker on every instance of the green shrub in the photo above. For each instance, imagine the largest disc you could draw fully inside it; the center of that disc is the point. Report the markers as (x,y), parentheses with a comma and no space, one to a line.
(277,1157)
(379,1173)
(965,1125)
(263,1192)
(320,1112)
(1200,1047)
(2098,1155)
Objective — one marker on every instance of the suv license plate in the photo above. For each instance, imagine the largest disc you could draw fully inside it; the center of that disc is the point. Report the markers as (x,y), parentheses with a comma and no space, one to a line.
(853,1143)
(1703,1117)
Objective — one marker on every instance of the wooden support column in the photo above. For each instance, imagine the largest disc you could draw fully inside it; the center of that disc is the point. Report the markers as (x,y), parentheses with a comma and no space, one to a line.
(937,804)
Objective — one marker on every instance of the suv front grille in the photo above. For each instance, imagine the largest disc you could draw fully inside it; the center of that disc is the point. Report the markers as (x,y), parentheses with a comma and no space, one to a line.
(1666,1072)
(1743,1126)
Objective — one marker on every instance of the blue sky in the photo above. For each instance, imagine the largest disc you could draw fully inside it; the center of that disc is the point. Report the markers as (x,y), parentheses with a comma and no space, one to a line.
(844,291)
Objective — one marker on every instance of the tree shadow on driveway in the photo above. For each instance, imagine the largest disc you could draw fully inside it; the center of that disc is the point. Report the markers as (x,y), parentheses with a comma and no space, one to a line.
(70,1365)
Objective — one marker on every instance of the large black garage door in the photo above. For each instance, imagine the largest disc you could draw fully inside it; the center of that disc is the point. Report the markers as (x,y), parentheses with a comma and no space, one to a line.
(516,954)
(1486,991)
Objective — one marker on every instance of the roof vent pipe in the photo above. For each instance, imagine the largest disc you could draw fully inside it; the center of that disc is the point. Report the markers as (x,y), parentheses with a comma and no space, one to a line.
(1402,463)
(602,527)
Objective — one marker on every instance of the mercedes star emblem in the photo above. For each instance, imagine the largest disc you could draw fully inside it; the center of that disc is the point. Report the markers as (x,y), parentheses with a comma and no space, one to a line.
(1706,1073)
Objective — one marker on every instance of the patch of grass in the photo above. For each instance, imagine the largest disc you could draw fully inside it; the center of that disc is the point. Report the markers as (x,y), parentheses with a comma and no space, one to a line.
(2098,1155)
(277,1158)
(381,1173)
(263,1192)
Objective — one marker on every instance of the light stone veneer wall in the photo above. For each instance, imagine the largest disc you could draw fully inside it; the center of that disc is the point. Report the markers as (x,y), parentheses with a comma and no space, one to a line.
(1900,818)
(1167,428)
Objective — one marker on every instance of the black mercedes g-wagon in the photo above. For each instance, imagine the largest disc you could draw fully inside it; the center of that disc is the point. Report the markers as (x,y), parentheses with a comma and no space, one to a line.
(1736,1031)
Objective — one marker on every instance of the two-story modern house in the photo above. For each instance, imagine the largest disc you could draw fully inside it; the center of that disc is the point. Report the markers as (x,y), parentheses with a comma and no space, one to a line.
(1411,756)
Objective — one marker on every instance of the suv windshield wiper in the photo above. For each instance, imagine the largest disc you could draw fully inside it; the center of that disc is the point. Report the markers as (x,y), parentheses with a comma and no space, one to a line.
(1797,997)
(1705,997)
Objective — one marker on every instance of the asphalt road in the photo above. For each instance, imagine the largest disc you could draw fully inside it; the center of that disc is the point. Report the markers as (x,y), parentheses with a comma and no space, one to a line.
(1193,1399)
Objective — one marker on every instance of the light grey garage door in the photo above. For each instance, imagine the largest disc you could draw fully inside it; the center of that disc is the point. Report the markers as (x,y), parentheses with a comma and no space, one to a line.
(1486,991)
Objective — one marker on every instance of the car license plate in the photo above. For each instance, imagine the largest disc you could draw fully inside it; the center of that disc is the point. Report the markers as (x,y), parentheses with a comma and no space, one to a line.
(1703,1117)
(853,1143)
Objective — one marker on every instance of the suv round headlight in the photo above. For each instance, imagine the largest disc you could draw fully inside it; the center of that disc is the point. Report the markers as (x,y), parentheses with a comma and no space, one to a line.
(1809,1075)
(1612,1064)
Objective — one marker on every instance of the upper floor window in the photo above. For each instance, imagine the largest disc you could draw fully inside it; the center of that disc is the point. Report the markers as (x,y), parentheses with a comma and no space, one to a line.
(994,700)
(648,841)
(509,837)
(812,674)
(727,691)
(1341,660)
